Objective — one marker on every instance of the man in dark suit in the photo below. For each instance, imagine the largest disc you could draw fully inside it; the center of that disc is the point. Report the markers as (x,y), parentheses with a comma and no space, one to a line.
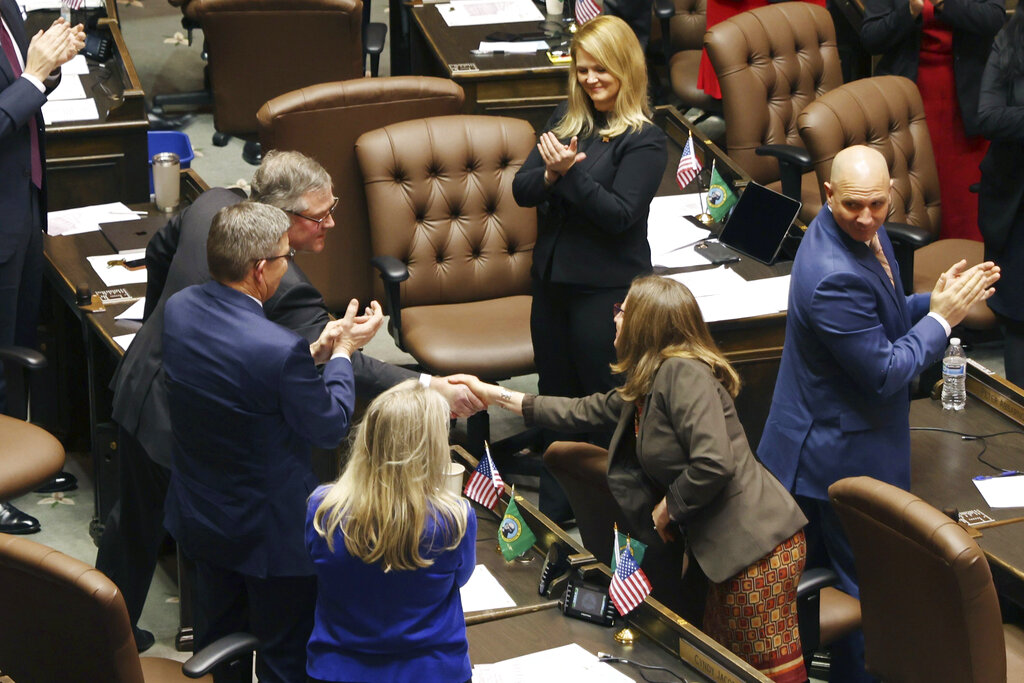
(246,403)
(24,67)
(176,258)
(854,342)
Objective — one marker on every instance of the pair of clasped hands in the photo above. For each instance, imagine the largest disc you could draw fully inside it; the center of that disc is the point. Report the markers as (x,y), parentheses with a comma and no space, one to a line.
(48,50)
(558,158)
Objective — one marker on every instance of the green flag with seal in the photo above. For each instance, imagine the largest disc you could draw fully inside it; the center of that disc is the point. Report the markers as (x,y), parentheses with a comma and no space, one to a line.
(637,547)
(514,537)
(721,198)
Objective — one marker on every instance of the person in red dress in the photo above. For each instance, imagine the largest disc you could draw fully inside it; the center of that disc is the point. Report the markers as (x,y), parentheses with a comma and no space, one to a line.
(718,11)
(942,45)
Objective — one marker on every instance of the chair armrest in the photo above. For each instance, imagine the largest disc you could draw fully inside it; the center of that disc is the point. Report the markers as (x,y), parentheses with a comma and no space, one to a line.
(392,272)
(793,163)
(373,41)
(223,650)
(910,235)
(813,580)
(29,359)
(664,9)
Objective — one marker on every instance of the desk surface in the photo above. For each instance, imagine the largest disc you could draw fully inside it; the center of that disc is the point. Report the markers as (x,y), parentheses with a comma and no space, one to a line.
(943,466)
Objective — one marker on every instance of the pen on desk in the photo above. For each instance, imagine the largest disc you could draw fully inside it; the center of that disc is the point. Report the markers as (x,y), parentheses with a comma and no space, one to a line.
(1006,473)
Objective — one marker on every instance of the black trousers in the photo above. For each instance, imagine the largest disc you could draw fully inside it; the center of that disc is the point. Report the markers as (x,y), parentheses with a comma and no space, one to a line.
(573,333)
(134,530)
(21,281)
(278,610)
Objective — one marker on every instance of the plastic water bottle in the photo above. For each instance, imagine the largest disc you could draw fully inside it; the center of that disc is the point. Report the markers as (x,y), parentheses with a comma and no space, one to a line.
(954,377)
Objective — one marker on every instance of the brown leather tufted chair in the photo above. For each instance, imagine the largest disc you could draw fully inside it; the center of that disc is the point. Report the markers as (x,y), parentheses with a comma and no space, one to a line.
(886,113)
(65,621)
(323,121)
(682,34)
(259,49)
(930,610)
(771,62)
(452,245)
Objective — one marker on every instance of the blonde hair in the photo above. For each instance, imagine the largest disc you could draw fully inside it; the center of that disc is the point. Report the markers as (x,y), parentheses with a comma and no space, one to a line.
(661,321)
(611,42)
(393,481)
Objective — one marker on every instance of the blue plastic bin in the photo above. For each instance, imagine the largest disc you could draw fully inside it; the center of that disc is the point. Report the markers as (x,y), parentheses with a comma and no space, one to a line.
(169,141)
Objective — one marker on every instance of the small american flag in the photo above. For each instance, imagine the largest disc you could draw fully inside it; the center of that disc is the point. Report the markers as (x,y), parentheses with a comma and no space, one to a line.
(74,4)
(485,483)
(586,10)
(629,586)
(689,165)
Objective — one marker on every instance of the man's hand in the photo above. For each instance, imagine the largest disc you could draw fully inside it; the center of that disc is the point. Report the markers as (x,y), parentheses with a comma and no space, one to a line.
(354,331)
(49,49)
(461,400)
(957,290)
(915,7)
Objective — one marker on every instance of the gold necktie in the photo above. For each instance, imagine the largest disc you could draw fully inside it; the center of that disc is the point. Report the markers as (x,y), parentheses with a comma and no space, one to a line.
(876,246)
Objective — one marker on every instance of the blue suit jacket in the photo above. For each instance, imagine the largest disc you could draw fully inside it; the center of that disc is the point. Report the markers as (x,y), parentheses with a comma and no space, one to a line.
(19,101)
(853,344)
(246,403)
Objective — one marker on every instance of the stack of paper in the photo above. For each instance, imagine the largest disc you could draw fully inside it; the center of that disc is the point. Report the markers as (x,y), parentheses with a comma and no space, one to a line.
(479,12)
(69,102)
(87,218)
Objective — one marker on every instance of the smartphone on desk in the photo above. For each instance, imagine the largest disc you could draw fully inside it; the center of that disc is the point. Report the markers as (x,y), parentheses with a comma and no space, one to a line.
(716,252)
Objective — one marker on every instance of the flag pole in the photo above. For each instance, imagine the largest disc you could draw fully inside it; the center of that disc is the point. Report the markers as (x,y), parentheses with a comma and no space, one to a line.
(704,216)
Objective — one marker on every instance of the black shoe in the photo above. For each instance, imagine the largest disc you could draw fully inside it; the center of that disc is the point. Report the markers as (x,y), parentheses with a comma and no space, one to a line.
(143,639)
(14,521)
(65,481)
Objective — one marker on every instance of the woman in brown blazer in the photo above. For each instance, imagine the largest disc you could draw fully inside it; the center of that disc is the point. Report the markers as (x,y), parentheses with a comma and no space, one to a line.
(682,471)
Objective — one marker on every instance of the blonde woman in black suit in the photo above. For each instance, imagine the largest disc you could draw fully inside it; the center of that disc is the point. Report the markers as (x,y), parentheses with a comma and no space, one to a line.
(592,176)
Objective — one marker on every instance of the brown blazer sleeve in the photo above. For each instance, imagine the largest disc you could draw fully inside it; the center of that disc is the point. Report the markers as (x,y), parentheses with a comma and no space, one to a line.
(573,414)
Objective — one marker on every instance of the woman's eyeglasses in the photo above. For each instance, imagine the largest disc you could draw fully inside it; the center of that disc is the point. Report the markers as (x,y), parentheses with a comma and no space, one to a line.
(617,309)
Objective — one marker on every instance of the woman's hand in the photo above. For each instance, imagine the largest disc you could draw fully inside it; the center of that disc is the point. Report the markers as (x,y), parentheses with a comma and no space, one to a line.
(662,522)
(915,7)
(558,158)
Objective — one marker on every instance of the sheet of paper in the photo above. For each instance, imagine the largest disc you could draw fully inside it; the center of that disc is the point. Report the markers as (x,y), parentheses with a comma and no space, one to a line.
(524,47)
(124,340)
(33,5)
(756,297)
(720,280)
(77,65)
(133,312)
(566,663)
(114,276)
(672,235)
(1002,492)
(70,88)
(87,218)
(478,12)
(60,111)
(483,591)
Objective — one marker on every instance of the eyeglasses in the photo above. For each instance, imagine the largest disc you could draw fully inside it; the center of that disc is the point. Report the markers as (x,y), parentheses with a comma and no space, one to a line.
(617,309)
(318,221)
(289,256)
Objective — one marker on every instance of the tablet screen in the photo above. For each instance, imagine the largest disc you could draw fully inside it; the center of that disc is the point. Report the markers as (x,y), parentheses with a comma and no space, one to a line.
(759,223)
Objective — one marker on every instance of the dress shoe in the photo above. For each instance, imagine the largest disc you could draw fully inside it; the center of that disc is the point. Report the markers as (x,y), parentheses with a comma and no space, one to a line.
(14,521)
(65,481)
(143,639)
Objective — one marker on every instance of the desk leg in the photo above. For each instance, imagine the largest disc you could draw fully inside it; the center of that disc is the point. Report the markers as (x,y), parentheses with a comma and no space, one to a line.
(103,431)
(400,29)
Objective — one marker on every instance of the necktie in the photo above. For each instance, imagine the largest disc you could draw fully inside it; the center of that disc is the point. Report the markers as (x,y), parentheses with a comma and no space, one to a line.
(10,51)
(876,247)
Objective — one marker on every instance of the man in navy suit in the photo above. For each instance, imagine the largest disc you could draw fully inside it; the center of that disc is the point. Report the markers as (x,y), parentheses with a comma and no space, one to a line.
(24,67)
(854,342)
(246,404)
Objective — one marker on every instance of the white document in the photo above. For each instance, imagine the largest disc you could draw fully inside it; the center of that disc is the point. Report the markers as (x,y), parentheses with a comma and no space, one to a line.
(33,5)
(720,280)
(124,340)
(60,111)
(524,47)
(478,12)
(115,276)
(483,591)
(557,665)
(671,234)
(133,312)
(70,88)
(1002,492)
(87,218)
(756,297)
(76,65)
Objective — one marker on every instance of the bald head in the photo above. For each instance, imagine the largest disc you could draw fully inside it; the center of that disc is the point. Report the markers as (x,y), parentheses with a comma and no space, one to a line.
(858,191)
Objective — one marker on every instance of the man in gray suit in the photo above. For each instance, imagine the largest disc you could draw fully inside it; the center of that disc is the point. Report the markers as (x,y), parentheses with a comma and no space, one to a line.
(175,259)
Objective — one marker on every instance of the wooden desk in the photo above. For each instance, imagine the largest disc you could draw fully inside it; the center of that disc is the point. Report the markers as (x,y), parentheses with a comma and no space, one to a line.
(85,354)
(526,86)
(94,162)
(943,465)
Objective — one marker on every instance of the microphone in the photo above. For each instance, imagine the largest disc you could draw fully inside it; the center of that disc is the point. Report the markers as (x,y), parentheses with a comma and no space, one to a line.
(555,564)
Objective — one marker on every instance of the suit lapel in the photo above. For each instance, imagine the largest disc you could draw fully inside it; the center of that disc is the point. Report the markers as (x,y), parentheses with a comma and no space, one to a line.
(865,258)
(7,8)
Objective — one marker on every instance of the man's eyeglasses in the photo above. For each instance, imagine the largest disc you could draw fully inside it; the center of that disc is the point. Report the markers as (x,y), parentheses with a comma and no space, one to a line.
(318,221)
(289,256)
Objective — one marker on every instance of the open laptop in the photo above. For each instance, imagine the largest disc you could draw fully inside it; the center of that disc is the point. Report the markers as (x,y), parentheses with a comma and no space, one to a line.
(758,225)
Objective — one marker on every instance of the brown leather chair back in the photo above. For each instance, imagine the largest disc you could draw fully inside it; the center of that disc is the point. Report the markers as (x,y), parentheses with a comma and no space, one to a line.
(323,121)
(259,49)
(771,62)
(929,608)
(688,25)
(62,619)
(885,113)
(686,44)
(439,192)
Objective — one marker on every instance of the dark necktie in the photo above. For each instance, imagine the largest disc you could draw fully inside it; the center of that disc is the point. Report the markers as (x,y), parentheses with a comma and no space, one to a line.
(10,51)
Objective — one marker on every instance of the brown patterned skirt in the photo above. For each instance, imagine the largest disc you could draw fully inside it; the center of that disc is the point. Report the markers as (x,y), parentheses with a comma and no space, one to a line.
(754,613)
